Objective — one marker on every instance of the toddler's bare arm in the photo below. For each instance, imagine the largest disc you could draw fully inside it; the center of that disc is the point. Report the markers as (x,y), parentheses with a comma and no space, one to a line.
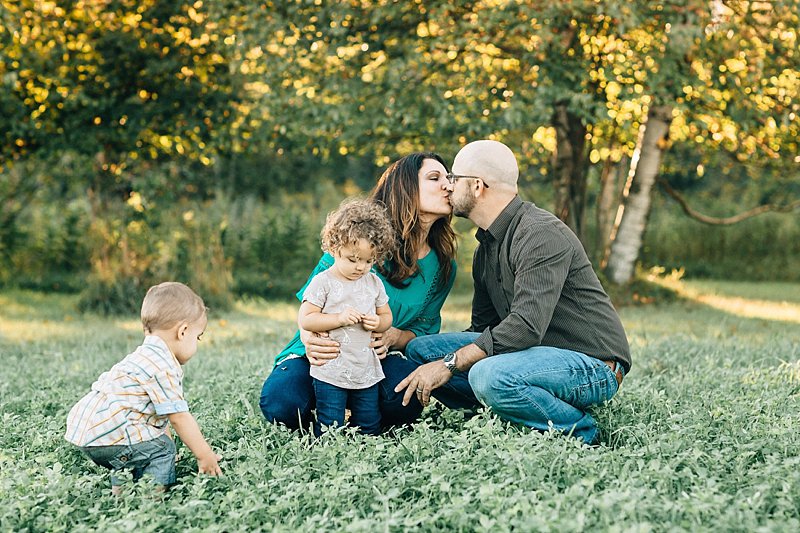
(187,429)
(311,318)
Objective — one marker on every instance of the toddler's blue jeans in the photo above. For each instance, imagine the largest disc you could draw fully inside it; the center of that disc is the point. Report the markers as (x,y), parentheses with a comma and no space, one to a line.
(534,387)
(154,457)
(287,396)
(333,400)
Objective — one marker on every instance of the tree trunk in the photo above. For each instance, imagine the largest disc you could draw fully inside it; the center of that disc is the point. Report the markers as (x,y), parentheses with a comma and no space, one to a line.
(570,162)
(608,200)
(628,239)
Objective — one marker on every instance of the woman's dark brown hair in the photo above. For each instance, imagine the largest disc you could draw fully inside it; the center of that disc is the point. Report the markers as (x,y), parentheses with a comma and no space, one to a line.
(398,190)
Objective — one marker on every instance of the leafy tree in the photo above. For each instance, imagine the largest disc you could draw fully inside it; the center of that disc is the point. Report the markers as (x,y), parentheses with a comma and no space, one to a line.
(728,78)
(129,84)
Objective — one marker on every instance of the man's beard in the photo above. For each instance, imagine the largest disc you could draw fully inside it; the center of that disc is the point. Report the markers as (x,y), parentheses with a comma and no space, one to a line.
(462,205)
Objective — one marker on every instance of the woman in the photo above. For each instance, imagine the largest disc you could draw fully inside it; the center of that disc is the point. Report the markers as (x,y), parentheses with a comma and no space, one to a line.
(417,280)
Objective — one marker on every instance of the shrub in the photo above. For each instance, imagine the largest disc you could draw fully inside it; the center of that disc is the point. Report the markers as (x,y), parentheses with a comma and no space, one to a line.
(133,252)
(764,248)
(274,246)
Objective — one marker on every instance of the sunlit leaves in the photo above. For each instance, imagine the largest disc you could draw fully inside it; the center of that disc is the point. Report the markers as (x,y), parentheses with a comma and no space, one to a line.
(382,77)
(126,78)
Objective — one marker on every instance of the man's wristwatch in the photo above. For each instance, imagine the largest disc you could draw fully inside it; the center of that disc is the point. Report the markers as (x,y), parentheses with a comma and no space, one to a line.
(450,363)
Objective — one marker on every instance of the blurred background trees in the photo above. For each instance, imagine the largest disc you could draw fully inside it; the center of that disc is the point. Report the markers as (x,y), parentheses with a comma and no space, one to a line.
(204,141)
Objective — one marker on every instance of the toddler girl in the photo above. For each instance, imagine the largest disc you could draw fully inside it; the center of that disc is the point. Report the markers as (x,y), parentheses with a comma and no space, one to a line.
(349,302)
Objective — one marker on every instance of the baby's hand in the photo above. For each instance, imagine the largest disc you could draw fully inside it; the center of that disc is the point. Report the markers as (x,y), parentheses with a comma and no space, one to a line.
(349,316)
(209,464)
(370,322)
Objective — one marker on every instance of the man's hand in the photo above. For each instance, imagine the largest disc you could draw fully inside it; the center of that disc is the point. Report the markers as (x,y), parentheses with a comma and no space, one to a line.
(348,317)
(319,347)
(209,464)
(423,381)
(370,322)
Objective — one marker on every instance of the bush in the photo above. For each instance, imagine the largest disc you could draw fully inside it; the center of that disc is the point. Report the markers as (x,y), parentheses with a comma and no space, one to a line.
(135,251)
(47,247)
(764,248)
(273,247)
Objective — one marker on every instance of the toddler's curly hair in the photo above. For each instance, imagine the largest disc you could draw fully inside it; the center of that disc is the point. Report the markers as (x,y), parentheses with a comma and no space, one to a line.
(359,219)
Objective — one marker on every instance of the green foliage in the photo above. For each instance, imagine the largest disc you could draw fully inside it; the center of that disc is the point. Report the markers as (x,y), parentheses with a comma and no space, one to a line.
(764,248)
(640,291)
(273,247)
(145,247)
(125,79)
(177,101)
(701,437)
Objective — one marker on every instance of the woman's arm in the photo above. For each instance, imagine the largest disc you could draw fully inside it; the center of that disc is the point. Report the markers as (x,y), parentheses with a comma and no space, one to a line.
(427,322)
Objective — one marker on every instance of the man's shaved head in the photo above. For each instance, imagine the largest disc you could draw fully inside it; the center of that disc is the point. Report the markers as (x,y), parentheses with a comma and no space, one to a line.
(492,161)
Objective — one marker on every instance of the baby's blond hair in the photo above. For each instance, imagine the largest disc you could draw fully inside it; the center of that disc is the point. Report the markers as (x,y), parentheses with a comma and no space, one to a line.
(167,304)
(359,219)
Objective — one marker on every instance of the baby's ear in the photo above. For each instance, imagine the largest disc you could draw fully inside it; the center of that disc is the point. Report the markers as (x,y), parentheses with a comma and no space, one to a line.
(182,329)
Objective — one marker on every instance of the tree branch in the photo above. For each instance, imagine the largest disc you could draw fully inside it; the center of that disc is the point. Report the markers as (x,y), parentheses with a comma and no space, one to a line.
(725,221)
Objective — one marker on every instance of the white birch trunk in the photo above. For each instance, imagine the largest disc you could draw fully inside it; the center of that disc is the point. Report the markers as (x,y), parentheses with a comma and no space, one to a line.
(628,239)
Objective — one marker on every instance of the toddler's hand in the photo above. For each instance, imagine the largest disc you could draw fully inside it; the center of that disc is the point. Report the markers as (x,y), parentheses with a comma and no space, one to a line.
(370,322)
(349,316)
(209,464)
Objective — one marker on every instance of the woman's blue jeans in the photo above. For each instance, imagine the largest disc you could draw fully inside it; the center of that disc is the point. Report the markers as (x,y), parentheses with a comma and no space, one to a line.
(288,398)
(537,387)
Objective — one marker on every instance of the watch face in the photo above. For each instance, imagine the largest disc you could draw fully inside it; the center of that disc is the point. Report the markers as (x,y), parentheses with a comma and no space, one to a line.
(450,362)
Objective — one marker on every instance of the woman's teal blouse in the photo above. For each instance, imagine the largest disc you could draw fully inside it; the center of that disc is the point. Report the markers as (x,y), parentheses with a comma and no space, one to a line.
(415,307)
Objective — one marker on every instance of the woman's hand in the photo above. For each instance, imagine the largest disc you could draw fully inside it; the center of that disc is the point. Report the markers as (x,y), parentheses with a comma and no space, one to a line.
(383,342)
(319,347)
(378,344)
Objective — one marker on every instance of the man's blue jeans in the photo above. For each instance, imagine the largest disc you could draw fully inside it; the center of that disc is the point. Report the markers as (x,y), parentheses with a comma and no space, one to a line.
(534,387)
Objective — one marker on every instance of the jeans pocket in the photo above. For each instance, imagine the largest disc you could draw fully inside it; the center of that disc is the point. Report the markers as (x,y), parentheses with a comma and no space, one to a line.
(121,459)
(610,385)
(581,396)
(601,389)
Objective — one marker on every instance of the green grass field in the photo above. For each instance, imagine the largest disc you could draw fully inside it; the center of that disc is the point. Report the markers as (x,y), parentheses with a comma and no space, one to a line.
(702,436)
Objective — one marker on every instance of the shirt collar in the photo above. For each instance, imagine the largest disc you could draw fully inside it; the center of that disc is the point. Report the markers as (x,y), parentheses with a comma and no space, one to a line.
(157,342)
(498,228)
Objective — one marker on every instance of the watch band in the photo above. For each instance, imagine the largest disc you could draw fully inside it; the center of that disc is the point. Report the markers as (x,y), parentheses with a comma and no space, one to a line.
(450,363)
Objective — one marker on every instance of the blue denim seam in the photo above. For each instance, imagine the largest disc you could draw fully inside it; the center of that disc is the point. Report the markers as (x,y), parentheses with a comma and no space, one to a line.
(613,374)
(543,415)
(519,388)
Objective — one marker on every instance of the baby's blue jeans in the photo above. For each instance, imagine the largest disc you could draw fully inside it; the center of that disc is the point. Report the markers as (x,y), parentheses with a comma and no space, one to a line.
(333,400)
(153,457)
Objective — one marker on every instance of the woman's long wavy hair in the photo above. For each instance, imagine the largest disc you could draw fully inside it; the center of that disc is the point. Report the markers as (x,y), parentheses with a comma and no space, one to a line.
(398,190)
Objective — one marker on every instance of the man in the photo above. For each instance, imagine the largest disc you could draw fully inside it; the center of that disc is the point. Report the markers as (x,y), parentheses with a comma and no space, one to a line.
(545,342)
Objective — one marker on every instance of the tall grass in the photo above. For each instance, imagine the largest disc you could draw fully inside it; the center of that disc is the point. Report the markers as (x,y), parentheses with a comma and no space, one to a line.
(701,437)
(764,248)
(230,245)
